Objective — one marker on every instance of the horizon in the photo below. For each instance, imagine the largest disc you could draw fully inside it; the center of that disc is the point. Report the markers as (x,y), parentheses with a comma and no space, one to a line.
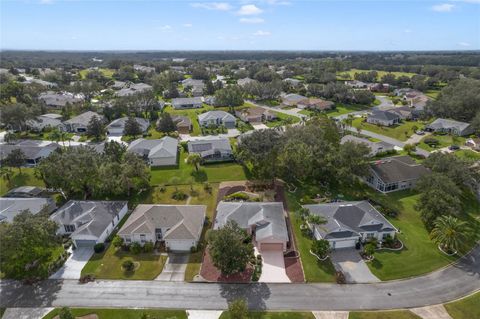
(265,25)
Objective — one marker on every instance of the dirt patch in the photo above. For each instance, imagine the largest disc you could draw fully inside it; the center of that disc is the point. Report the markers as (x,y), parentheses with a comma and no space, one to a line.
(211,273)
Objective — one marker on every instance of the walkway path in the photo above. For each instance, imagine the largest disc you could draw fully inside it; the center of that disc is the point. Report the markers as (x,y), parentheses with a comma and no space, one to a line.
(432,312)
(25,313)
(330,314)
(450,283)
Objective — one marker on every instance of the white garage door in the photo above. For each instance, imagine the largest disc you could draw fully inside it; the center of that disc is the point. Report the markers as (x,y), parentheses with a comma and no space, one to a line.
(179,245)
(343,244)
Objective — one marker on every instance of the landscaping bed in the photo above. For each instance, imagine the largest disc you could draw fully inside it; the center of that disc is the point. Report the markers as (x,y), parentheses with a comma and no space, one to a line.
(122,313)
(210,273)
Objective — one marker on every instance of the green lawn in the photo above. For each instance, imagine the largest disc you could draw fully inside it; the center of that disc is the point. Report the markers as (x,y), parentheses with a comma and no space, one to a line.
(379,74)
(106,72)
(400,132)
(340,109)
(444,141)
(433,94)
(399,314)
(466,308)
(274,315)
(314,270)
(27,177)
(108,265)
(282,119)
(123,313)
(186,173)
(468,155)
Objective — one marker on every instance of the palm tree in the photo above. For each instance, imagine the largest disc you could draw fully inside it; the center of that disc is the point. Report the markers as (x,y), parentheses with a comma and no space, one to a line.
(6,173)
(449,232)
(194,159)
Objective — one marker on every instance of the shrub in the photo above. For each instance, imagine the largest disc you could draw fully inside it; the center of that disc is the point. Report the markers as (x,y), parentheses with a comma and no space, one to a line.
(117,241)
(340,278)
(65,313)
(238,309)
(369,249)
(136,248)
(193,249)
(128,265)
(148,247)
(430,141)
(237,196)
(179,195)
(321,248)
(98,248)
(86,278)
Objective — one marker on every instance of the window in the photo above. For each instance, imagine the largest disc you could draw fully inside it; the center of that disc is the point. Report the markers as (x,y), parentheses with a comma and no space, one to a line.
(385,236)
(69,228)
(128,239)
(143,238)
(370,235)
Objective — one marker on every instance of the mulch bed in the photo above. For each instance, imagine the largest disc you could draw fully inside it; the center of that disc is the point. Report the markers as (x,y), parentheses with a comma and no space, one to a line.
(211,273)
(294,270)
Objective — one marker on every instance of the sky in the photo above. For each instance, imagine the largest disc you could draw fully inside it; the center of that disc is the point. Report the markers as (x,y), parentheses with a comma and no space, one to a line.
(381,25)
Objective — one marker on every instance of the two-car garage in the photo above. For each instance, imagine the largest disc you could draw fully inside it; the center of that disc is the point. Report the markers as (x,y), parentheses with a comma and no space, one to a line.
(84,243)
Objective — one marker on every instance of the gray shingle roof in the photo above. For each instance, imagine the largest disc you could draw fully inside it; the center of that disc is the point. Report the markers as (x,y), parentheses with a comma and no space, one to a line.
(186,100)
(269,218)
(209,145)
(25,192)
(11,206)
(347,219)
(184,221)
(164,147)
(32,149)
(397,169)
(89,217)
(384,115)
(120,123)
(374,146)
(439,124)
(84,118)
(214,115)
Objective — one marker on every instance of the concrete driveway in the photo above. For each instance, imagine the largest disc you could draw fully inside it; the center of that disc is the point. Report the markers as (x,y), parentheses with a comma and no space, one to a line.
(350,262)
(273,267)
(74,264)
(260,126)
(174,269)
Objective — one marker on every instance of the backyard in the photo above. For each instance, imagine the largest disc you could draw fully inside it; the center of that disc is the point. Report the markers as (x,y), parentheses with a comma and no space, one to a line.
(186,174)
(400,132)
(443,141)
(123,313)
(27,177)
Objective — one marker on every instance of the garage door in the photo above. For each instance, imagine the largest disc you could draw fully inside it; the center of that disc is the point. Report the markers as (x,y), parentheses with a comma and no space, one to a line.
(179,245)
(271,246)
(84,243)
(343,244)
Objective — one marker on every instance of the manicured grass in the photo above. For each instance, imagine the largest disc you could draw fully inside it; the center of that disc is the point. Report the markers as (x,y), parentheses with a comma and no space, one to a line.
(400,132)
(400,314)
(468,155)
(123,313)
(379,74)
(108,265)
(420,254)
(340,109)
(444,141)
(27,177)
(467,308)
(282,119)
(433,94)
(314,270)
(185,173)
(106,72)
(274,315)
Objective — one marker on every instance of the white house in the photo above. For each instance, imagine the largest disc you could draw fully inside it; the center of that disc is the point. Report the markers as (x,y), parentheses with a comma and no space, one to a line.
(217,118)
(89,222)
(350,222)
(161,152)
(178,226)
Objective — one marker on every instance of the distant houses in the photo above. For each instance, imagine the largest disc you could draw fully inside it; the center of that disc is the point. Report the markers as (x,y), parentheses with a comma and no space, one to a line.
(451,127)
(117,127)
(375,147)
(383,118)
(79,123)
(45,121)
(161,152)
(217,118)
(212,149)
(395,173)
(33,150)
(59,99)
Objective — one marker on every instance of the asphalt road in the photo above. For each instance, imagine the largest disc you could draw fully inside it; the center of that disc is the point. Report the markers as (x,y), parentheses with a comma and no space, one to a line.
(438,287)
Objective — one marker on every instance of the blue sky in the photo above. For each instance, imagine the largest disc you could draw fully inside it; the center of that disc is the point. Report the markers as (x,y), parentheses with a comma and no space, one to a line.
(240,25)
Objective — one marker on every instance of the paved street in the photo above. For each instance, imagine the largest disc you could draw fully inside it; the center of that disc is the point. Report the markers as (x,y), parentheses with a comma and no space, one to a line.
(438,287)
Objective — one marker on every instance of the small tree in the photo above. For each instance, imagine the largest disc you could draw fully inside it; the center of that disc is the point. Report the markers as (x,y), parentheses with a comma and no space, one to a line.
(65,313)
(16,158)
(321,248)
(117,241)
(95,128)
(6,174)
(238,309)
(194,159)
(128,265)
(369,249)
(166,124)
(409,148)
(132,128)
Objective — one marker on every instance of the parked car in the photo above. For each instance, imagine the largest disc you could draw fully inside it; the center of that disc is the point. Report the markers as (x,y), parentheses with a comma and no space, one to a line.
(420,132)
(454,147)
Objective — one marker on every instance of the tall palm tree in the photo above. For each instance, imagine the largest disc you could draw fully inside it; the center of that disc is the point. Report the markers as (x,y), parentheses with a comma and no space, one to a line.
(194,159)
(449,232)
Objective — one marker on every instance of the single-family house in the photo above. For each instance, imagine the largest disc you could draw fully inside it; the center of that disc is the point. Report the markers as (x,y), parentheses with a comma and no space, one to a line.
(33,150)
(350,222)
(79,123)
(143,68)
(450,127)
(404,112)
(217,118)
(356,84)
(26,192)
(394,173)
(384,118)
(178,226)
(161,152)
(30,80)
(183,124)
(49,120)
(12,206)
(255,115)
(265,221)
(315,104)
(375,147)
(212,148)
(187,103)
(133,88)
(59,99)
(292,99)
(244,81)
(116,127)
(89,222)
(292,81)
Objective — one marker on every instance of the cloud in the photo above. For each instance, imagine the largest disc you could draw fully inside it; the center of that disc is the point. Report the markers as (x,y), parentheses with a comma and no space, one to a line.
(261,33)
(249,9)
(165,28)
(278,2)
(464,44)
(220,6)
(46,1)
(444,7)
(407,31)
(252,20)
(188,25)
